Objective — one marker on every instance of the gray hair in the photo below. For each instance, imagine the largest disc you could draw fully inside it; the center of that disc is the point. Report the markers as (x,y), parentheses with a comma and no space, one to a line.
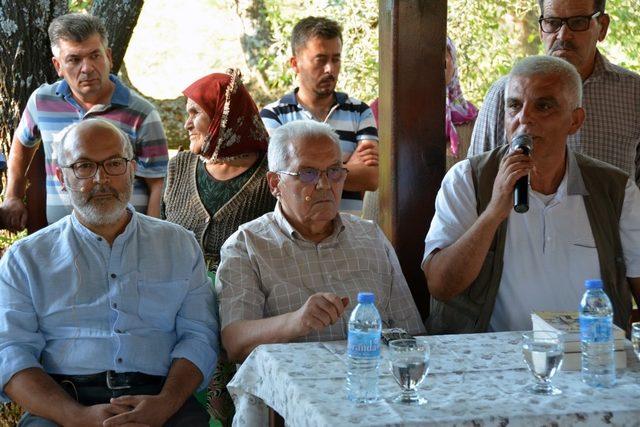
(64,140)
(279,154)
(76,27)
(549,65)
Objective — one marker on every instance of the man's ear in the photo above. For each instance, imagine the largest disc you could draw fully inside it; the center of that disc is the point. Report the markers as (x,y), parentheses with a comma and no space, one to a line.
(60,177)
(57,65)
(604,26)
(293,62)
(110,57)
(577,119)
(273,179)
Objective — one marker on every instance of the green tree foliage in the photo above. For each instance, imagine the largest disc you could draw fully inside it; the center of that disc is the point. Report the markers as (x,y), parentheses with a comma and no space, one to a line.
(489,35)
(359,20)
(492,35)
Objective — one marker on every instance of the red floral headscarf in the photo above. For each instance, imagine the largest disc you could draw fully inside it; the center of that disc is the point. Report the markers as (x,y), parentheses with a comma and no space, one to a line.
(236,127)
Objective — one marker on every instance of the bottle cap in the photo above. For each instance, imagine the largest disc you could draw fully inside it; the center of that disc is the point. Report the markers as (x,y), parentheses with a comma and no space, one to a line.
(593,284)
(366,297)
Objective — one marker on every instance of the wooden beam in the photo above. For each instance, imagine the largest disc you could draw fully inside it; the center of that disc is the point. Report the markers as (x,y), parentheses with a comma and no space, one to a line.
(411,122)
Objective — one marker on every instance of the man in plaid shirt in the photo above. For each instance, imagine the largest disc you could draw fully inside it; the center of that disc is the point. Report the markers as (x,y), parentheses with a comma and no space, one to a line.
(571,29)
(294,274)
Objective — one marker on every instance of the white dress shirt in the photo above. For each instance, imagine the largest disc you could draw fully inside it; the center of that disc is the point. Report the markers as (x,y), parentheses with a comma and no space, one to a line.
(549,250)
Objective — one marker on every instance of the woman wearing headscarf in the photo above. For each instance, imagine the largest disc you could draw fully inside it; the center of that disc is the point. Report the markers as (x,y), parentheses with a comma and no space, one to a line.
(460,114)
(219,184)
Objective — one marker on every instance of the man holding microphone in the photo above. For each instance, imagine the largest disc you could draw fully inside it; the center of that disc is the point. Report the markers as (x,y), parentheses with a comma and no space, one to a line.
(488,265)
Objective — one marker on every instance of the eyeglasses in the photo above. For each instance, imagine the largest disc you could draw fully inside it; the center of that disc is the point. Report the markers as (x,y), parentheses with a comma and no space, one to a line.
(85,169)
(575,23)
(312,175)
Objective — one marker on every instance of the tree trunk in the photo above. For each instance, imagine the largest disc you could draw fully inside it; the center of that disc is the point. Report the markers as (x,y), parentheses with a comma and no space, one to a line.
(120,18)
(255,41)
(25,63)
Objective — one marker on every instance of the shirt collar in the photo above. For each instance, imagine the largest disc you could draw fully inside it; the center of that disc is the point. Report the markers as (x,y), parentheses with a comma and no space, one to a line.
(290,98)
(290,231)
(602,68)
(89,235)
(121,94)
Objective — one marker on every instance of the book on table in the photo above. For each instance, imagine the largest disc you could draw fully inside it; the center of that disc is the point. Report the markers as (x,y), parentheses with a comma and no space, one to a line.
(568,323)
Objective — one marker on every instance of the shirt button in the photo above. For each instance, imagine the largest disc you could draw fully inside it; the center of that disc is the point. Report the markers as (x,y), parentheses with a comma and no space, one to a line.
(99,239)
(113,275)
(118,331)
(119,360)
(114,305)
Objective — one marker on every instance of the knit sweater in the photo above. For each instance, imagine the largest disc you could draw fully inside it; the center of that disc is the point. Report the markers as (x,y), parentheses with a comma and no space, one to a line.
(182,205)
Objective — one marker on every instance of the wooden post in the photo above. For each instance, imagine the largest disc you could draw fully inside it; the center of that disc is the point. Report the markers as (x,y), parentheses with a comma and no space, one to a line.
(411,122)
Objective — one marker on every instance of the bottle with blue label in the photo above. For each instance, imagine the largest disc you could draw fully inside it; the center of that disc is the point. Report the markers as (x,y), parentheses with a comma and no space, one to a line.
(596,336)
(363,350)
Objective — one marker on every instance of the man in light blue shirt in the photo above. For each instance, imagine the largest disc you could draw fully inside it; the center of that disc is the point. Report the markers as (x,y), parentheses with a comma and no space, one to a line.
(107,316)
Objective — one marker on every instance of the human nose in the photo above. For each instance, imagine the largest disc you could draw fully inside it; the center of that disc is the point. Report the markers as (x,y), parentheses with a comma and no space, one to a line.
(101,173)
(85,66)
(323,180)
(188,124)
(330,68)
(564,33)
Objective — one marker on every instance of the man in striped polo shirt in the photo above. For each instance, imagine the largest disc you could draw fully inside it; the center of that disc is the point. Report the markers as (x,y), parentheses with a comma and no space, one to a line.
(83,61)
(316,45)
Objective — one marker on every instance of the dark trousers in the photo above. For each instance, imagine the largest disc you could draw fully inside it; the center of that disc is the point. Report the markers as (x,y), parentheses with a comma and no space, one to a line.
(190,414)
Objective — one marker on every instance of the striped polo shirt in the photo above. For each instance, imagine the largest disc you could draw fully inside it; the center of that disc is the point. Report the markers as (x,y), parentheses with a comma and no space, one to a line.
(52,107)
(350,118)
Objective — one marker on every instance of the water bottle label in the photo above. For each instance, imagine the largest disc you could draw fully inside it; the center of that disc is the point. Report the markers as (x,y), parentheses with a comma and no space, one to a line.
(595,329)
(363,344)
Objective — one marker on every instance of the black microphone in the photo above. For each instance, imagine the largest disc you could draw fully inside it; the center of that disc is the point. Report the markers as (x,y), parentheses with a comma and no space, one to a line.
(521,191)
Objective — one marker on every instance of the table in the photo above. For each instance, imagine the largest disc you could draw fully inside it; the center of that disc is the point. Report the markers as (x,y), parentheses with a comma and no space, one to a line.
(473,379)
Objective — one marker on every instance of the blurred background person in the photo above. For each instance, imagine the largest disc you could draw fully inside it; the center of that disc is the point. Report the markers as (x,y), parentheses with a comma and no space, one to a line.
(460,116)
(220,183)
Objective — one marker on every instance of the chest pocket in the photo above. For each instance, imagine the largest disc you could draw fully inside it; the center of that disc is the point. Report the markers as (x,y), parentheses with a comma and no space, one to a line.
(159,302)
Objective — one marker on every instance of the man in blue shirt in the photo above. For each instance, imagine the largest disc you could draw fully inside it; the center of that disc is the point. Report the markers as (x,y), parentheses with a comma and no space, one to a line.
(107,316)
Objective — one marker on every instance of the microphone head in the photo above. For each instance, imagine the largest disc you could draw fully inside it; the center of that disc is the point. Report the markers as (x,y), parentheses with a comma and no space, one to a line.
(523,141)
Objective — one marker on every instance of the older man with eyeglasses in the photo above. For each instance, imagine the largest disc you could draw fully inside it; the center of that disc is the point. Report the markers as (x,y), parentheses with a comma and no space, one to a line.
(571,30)
(107,316)
(294,274)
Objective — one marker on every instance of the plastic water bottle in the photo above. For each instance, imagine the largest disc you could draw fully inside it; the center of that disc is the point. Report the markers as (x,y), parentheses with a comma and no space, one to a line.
(596,336)
(363,350)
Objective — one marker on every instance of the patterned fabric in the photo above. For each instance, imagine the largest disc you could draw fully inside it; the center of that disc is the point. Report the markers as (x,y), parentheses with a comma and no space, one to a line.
(350,118)
(52,107)
(457,109)
(268,269)
(182,204)
(235,126)
(611,131)
(473,380)
(214,194)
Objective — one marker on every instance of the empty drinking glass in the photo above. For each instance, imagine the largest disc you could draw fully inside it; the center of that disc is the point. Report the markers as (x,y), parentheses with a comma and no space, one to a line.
(409,365)
(543,351)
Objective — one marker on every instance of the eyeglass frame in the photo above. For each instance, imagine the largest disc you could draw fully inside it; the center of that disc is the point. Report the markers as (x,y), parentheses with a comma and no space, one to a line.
(565,21)
(98,165)
(320,172)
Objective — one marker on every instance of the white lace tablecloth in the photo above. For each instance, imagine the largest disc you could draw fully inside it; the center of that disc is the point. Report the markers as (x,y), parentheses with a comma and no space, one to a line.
(474,380)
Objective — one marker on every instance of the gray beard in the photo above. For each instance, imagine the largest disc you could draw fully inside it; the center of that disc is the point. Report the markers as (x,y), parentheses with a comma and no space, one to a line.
(100,212)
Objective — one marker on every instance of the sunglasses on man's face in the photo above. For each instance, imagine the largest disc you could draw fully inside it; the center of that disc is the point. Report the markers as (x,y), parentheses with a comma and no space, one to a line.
(575,23)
